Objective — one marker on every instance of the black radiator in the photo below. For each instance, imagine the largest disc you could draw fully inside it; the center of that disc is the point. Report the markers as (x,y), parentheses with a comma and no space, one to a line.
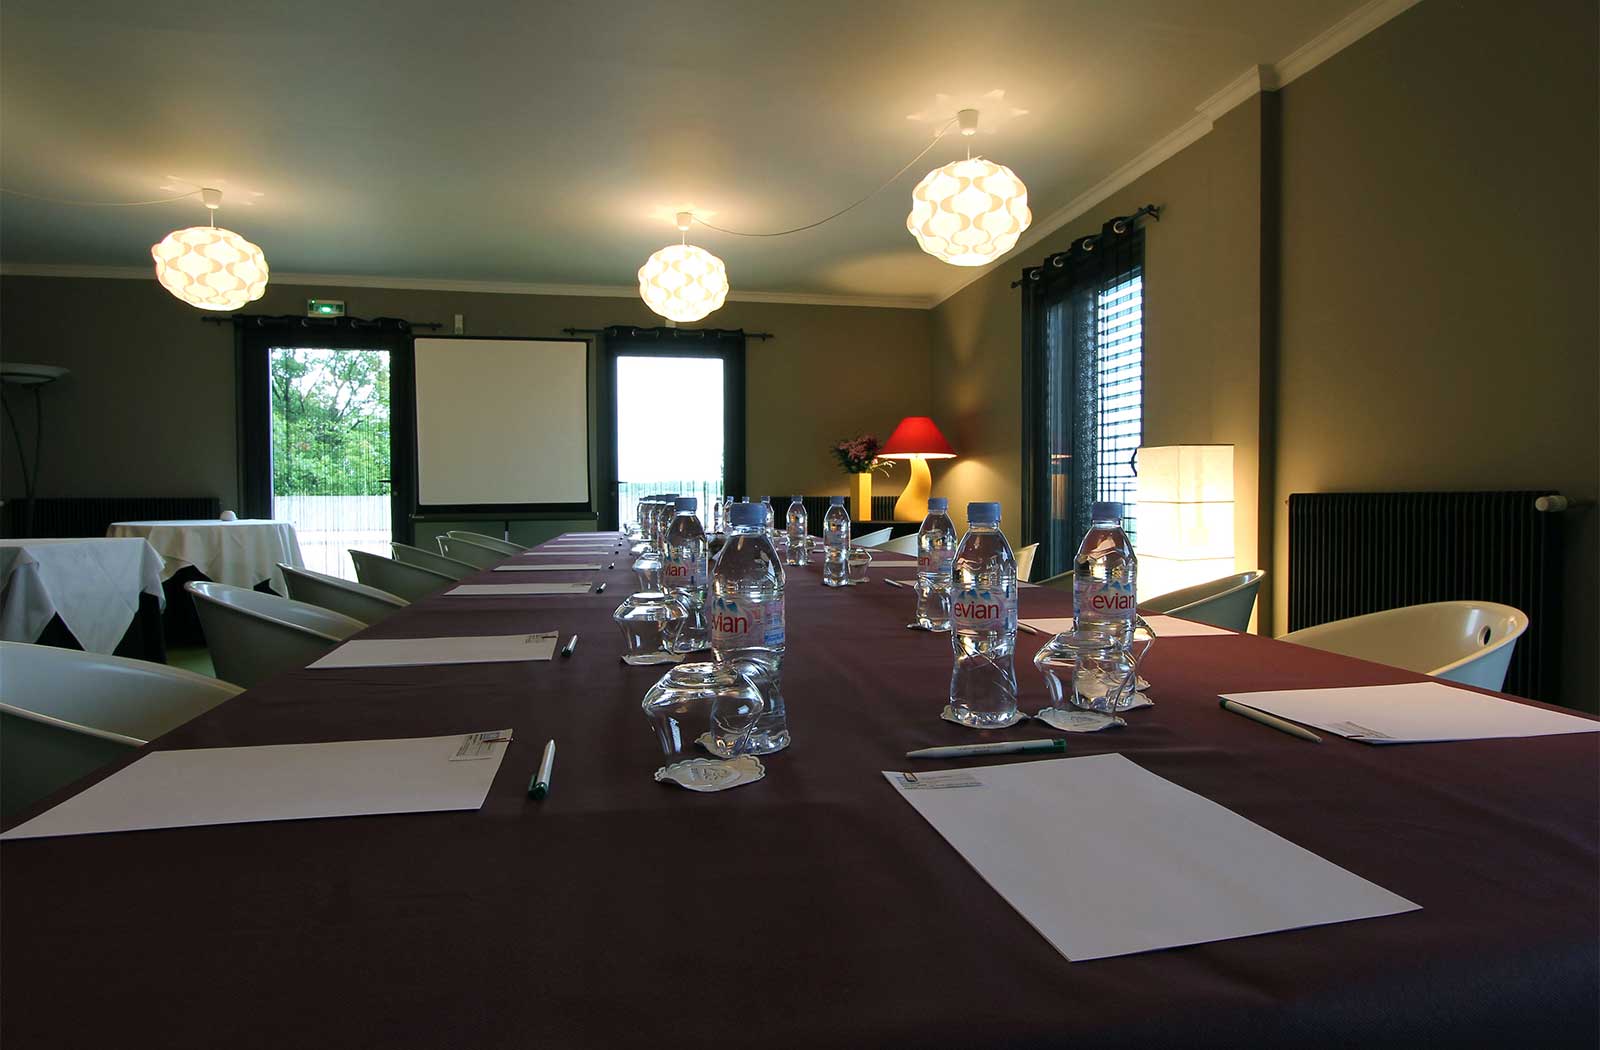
(79,516)
(1352,553)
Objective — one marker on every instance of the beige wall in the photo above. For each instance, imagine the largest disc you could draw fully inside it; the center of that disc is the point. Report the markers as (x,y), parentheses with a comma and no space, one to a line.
(1203,333)
(1440,273)
(149,409)
(1382,277)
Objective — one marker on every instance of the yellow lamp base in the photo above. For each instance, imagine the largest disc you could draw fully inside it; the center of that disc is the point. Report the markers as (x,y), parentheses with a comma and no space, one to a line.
(913,502)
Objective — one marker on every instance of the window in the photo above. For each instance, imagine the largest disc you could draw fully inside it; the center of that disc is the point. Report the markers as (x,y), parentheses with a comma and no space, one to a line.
(1082,382)
(1119,392)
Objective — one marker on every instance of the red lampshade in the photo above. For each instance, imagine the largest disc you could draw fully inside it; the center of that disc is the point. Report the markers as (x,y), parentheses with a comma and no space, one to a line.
(917,436)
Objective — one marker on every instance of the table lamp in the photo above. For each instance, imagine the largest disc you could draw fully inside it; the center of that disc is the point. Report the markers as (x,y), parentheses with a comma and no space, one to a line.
(918,440)
(1185,516)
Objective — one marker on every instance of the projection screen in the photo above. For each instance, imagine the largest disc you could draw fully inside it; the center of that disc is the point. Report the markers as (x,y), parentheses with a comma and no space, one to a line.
(502,422)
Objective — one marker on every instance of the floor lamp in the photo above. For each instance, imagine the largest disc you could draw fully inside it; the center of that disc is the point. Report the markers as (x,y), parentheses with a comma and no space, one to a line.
(33,378)
(918,440)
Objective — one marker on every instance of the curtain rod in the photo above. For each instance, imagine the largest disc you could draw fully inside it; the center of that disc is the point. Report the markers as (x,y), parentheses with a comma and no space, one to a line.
(677,333)
(287,320)
(1119,225)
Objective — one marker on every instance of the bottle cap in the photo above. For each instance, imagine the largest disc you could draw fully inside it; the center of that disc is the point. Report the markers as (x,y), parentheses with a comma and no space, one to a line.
(1106,511)
(983,513)
(938,504)
(766,499)
(797,499)
(686,504)
(835,501)
(747,514)
(744,499)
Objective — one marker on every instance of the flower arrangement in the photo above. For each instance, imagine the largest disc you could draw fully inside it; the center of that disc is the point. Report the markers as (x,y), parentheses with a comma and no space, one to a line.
(859,455)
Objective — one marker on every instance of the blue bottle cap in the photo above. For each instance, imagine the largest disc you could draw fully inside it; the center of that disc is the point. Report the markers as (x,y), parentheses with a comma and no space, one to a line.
(797,499)
(1106,511)
(983,513)
(686,504)
(744,499)
(747,514)
(938,504)
(835,501)
(766,499)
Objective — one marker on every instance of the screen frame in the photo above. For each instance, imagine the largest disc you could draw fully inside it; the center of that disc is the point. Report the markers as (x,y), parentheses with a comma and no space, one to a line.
(572,509)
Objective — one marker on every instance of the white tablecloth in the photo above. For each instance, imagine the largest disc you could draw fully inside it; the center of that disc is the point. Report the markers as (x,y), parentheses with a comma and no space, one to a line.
(92,584)
(241,553)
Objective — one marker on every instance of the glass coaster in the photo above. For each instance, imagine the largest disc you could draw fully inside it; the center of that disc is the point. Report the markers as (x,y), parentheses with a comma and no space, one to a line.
(713,774)
(1072,720)
(949,715)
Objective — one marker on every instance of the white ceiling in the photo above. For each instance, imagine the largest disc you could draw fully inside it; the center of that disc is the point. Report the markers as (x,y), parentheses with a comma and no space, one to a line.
(517,141)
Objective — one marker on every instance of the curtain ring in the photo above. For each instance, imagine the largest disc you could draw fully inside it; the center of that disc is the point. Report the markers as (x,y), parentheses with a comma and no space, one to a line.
(1118,227)
(1088,244)
(1033,275)
(1058,261)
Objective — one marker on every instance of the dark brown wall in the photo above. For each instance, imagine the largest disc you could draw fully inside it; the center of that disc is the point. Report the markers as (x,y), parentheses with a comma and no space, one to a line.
(149,409)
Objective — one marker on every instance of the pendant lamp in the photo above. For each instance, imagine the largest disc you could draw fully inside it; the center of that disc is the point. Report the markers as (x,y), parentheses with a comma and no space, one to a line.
(969,212)
(682,282)
(208,266)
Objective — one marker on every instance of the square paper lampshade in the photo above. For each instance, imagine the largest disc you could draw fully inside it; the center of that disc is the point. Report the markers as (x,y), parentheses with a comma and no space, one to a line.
(1185,516)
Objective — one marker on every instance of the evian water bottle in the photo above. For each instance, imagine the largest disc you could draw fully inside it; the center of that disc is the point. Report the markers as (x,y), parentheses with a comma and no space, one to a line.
(798,526)
(936,553)
(1103,576)
(983,624)
(747,619)
(836,544)
(684,572)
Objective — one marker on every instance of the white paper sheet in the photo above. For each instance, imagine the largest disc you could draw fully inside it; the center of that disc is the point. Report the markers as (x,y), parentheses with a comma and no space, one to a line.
(561,567)
(1105,858)
(1164,626)
(1413,713)
(413,652)
(238,785)
(496,590)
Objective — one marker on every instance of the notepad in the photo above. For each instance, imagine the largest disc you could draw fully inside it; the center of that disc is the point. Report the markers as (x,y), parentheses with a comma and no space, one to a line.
(414,652)
(1413,713)
(497,590)
(1105,858)
(1163,626)
(567,567)
(238,785)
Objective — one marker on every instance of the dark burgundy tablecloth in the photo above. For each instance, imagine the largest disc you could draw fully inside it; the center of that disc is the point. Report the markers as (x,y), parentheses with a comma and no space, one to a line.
(812,909)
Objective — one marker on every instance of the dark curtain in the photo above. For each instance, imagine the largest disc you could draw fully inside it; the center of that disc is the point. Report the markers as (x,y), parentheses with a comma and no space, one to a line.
(1060,423)
(725,343)
(254,339)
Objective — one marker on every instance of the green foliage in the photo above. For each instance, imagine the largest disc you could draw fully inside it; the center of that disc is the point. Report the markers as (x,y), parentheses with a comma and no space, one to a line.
(330,422)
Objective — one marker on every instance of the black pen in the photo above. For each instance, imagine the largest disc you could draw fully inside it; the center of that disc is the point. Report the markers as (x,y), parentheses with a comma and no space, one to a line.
(570,647)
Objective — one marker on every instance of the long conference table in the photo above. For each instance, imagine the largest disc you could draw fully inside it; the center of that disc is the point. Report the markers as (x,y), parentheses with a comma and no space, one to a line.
(814,908)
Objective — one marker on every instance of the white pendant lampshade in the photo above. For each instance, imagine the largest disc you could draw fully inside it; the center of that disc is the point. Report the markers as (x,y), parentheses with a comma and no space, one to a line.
(969,212)
(210,267)
(683,283)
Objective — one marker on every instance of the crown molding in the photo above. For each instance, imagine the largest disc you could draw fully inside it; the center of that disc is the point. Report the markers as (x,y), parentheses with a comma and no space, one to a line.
(1244,87)
(440,284)
(1337,37)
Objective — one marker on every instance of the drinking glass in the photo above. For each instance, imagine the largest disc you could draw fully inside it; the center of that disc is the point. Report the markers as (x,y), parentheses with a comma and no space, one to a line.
(650,622)
(858,559)
(703,714)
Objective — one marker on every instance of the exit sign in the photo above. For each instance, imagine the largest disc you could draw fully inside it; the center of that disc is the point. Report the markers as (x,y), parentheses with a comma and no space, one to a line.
(324,307)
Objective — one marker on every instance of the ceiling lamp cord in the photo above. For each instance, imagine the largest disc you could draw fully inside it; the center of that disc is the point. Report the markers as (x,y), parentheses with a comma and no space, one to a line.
(97,204)
(849,207)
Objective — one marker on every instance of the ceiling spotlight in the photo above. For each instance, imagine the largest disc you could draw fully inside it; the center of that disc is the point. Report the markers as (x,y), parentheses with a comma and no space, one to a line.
(682,282)
(969,212)
(208,266)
